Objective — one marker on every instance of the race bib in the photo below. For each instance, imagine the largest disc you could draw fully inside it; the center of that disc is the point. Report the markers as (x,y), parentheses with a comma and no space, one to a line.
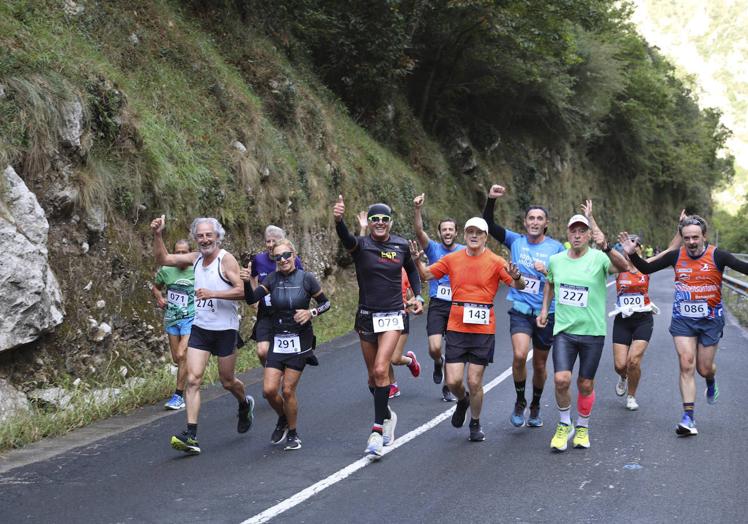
(387,321)
(444,293)
(268,303)
(575,296)
(476,314)
(694,309)
(287,343)
(532,285)
(177,298)
(205,305)
(631,299)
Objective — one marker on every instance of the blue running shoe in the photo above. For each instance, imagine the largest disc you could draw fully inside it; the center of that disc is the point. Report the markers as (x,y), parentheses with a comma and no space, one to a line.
(175,403)
(712,394)
(686,427)
(518,415)
(534,420)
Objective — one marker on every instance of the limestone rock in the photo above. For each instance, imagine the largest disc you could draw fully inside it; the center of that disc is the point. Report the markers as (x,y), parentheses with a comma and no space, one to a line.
(12,401)
(58,397)
(32,300)
(72,130)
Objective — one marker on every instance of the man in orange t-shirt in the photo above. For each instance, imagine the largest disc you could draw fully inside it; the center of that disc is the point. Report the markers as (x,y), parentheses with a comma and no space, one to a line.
(474,274)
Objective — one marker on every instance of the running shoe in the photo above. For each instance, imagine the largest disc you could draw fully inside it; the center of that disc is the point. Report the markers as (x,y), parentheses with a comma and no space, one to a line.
(185,442)
(712,394)
(388,429)
(560,439)
(438,375)
(518,415)
(292,442)
(394,391)
(476,433)
(622,386)
(176,402)
(374,446)
(458,417)
(414,366)
(631,403)
(686,427)
(581,438)
(534,420)
(246,415)
(447,395)
(280,432)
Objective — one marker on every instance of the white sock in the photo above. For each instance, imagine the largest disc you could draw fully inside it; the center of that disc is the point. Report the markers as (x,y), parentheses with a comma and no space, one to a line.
(564,415)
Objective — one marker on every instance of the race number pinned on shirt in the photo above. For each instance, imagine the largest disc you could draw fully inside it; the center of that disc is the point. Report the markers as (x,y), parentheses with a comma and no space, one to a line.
(575,296)
(444,292)
(476,314)
(177,298)
(205,304)
(287,343)
(631,300)
(532,285)
(694,309)
(389,321)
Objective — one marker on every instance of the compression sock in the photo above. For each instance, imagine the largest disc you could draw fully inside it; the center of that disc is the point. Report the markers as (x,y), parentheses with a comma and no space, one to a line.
(710,384)
(519,388)
(584,408)
(536,394)
(564,415)
(688,409)
(381,397)
(192,430)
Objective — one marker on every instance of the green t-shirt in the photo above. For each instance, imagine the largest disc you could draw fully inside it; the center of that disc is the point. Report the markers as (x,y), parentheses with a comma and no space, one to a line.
(580,292)
(180,293)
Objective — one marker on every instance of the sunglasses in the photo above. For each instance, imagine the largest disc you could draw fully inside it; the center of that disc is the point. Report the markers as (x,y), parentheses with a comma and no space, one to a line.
(283,256)
(379,218)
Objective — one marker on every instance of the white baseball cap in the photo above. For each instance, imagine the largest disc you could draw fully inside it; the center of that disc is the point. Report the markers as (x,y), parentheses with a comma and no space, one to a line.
(477,222)
(578,219)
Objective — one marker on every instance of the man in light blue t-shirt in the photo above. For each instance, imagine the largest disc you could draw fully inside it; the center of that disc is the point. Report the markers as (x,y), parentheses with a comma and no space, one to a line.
(440,292)
(530,252)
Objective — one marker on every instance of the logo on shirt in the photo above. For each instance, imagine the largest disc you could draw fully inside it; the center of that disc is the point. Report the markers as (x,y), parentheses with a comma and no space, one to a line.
(389,255)
(705,267)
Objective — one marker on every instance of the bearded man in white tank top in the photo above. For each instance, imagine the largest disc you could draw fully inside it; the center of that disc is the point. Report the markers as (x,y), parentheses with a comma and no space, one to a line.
(215,330)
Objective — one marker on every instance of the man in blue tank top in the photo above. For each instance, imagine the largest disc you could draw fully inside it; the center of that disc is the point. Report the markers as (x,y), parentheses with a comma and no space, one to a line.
(440,292)
(530,252)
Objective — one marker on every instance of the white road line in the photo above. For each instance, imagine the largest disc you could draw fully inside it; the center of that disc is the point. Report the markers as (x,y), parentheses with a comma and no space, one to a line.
(610,283)
(361,463)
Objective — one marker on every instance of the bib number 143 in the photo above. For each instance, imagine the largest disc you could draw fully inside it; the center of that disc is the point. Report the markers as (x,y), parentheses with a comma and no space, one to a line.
(476,315)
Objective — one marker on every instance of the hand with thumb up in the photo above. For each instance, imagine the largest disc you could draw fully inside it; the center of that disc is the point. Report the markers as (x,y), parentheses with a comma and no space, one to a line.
(339,209)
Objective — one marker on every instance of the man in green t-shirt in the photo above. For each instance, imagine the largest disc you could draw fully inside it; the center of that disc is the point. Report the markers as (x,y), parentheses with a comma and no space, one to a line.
(179,312)
(578,277)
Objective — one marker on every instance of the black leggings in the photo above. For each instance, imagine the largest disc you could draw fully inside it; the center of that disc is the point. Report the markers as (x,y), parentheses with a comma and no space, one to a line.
(566,348)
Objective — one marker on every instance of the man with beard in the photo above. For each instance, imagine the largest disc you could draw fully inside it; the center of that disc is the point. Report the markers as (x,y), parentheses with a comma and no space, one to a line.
(440,292)
(215,330)
(530,252)
(698,315)
(379,259)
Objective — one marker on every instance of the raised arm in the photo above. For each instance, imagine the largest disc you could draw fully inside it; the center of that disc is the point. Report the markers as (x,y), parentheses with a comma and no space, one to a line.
(667,259)
(348,240)
(416,253)
(495,230)
(423,238)
(163,257)
(725,258)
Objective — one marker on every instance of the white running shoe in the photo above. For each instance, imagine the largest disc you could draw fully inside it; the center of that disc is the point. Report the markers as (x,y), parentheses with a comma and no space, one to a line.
(374,446)
(622,386)
(631,403)
(388,428)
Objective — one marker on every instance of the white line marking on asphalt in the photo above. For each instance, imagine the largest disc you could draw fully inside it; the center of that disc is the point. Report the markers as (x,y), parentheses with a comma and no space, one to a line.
(610,283)
(361,463)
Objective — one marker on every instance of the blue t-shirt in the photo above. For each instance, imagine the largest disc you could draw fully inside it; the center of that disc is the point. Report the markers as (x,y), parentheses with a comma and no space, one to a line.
(262,266)
(524,254)
(435,251)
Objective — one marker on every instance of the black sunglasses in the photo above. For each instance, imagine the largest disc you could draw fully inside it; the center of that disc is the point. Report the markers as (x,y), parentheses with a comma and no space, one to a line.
(283,256)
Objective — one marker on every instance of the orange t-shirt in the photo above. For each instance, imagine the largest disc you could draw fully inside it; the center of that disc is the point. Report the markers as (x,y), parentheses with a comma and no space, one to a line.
(474,280)
(405,285)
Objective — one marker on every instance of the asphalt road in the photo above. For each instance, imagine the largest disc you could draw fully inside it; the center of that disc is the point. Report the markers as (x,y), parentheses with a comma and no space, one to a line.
(637,470)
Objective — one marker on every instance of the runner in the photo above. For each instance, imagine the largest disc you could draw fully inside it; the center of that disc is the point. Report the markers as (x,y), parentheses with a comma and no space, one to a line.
(474,274)
(216,324)
(179,312)
(291,329)
(530,252)
(440,292)
(578,277)
(698,320)
(262,266)
(632,328)
(379,258)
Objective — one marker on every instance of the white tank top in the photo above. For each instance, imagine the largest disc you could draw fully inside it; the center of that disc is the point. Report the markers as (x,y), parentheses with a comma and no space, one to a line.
(214,314)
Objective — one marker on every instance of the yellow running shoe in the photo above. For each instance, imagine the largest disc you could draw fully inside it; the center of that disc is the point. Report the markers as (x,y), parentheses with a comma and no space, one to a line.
(581,438)
(562,436)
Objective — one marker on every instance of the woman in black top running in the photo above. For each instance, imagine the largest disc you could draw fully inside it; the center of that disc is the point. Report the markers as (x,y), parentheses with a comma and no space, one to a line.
(291,291)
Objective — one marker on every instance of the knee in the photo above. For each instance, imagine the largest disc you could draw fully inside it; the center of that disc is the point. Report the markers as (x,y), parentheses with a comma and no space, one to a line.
(562,381)
(289,391)
(193,380)
(454,382)
(621,368)
(227,382)
(634,362)
(474,385)
(704,370)
(586,386)
(687,364)
(381,372)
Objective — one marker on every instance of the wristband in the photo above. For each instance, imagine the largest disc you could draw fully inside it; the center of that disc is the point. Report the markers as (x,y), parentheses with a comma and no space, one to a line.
(314,312)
